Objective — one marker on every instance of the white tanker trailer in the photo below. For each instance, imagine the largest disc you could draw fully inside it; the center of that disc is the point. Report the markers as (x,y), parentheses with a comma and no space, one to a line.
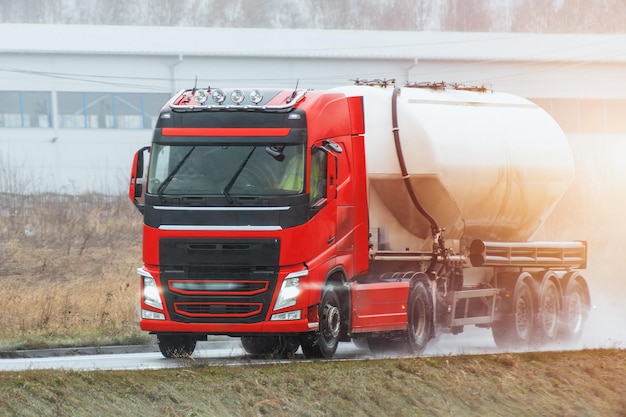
(469,176)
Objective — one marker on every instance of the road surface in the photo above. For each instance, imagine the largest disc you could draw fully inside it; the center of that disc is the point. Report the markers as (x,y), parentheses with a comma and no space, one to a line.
(229,352)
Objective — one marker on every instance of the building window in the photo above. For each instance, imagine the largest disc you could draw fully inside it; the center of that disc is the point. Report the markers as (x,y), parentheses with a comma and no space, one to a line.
(71,110)
(109,111)
(25,109)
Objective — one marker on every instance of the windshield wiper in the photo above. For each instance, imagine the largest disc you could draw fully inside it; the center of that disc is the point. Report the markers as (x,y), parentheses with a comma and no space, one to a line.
(235,176)
(174,172)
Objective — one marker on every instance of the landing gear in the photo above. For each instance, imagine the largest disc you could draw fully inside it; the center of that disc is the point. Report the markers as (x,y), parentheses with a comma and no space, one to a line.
(176,345)
(323,343)
(279,347)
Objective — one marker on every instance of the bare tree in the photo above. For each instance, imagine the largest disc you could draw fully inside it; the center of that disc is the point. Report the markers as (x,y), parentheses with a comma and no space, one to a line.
(542,16)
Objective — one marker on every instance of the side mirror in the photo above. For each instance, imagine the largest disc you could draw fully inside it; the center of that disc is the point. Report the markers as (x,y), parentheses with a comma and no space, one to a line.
(332,146)
(137,175)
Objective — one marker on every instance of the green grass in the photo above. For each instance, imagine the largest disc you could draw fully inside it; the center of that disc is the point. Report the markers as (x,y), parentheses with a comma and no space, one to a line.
(585,383)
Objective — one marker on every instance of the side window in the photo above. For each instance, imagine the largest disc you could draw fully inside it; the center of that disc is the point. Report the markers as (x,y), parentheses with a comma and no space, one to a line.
(319,173)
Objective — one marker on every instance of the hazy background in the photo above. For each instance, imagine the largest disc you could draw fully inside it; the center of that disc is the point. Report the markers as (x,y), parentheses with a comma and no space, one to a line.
(539,16)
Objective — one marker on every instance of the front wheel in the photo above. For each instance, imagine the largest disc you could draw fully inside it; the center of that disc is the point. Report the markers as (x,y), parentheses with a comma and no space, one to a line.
(176,345)
(324,342)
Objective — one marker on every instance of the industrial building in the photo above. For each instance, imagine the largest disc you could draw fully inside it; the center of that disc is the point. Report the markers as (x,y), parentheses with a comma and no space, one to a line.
(77,101)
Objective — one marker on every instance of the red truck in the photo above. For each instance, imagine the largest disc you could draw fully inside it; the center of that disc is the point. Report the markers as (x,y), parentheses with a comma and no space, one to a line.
(374,213)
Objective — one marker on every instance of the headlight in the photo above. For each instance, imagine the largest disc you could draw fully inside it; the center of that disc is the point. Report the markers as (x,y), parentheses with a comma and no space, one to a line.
(151,294)
(151,315)
(289,315)
(290,290)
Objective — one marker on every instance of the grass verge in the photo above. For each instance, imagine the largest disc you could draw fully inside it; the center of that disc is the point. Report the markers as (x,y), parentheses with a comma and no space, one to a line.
(584,383)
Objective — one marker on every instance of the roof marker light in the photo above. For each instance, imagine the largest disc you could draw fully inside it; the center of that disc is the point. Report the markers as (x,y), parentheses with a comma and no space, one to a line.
(200,96)
(218,96)
(237,96)
(256,96)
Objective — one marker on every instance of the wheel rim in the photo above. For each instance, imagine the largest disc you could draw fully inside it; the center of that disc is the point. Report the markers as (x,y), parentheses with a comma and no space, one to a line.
(331,322)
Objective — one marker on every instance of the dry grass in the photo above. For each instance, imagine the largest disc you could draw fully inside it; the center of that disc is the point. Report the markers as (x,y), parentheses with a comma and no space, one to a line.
(68,271)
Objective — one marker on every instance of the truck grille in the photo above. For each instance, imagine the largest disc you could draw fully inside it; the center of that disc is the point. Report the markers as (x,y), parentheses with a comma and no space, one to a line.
(218,287)
(219,280)
(217,309)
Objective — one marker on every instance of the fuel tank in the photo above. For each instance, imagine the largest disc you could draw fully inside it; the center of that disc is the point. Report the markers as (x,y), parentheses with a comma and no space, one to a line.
(484,165)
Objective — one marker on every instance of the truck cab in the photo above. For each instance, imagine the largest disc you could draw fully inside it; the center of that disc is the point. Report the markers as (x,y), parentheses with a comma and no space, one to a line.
(249,199)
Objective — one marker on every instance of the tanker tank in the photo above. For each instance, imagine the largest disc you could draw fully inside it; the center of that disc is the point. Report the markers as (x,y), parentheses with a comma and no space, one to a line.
(484,165)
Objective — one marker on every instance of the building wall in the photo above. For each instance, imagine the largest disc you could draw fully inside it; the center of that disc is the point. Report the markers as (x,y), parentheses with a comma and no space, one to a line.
(94,153)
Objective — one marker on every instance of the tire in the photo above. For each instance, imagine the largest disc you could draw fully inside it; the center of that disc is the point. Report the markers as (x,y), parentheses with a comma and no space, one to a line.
(549,309)
(324,342)
(381,345)
(574,313)
(273,347)
(176,346)
(515,329)
(420,319)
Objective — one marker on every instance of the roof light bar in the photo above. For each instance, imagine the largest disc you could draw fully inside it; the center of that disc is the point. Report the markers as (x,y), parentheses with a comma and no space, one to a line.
(237,96)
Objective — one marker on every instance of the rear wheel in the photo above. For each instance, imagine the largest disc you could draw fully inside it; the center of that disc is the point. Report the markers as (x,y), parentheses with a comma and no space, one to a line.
(515,329)
(420,319)
(270,346)
(323,343)
(176,345)
(549,307)
(574,313)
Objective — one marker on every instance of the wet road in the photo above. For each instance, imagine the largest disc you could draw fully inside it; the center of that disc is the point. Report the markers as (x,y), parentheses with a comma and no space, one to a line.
(229,352)
(604,329)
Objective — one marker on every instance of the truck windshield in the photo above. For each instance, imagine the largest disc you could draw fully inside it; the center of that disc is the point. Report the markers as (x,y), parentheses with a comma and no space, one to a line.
(226,170)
